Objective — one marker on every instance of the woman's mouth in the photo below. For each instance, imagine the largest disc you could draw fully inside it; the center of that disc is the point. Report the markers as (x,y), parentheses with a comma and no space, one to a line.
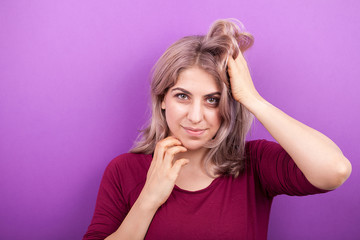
(194,131)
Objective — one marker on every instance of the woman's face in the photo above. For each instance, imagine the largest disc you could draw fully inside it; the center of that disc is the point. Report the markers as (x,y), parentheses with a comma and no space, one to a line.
(191,108)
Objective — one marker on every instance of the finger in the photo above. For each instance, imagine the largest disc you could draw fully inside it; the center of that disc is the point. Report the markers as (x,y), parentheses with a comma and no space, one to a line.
(240,60)
(170,153)
(240,55)
(232,68)
(175,170)
(160,150)
(163,145)
(231,62)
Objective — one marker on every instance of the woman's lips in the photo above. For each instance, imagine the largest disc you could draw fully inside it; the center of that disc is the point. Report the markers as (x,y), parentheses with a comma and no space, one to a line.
(194,131)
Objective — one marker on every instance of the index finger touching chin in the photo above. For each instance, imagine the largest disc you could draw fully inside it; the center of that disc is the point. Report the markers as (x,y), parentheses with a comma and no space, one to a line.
(172,138)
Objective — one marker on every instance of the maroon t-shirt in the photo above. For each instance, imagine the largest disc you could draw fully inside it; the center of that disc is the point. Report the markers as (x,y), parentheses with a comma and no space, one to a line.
(229,208)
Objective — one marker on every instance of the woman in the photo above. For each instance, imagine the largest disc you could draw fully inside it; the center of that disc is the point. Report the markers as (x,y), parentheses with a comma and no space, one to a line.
(192,175)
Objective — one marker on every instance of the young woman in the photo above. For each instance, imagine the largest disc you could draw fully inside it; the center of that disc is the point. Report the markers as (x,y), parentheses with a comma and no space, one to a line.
(192,175)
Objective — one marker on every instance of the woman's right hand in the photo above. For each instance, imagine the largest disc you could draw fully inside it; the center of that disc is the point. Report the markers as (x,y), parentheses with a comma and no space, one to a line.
(163,172)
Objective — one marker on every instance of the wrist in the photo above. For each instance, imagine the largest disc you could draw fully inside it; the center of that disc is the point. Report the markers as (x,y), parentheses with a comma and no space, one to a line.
(252,102)
(145,203)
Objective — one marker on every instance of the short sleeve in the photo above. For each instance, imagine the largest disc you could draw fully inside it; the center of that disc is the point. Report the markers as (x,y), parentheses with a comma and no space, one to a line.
(111,207)
(277,172)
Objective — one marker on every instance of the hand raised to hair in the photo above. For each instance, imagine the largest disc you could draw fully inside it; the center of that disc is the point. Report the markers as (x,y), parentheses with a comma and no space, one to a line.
(242,86)
(163,173)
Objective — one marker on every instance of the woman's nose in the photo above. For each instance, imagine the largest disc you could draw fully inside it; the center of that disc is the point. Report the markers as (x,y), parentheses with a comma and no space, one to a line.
(195,112)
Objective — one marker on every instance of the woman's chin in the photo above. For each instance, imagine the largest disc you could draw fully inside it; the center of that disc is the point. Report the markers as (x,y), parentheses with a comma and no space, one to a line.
(193,146)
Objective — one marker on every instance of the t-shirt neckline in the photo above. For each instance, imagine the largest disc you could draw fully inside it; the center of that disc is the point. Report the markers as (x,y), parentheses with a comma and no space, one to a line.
(213,184)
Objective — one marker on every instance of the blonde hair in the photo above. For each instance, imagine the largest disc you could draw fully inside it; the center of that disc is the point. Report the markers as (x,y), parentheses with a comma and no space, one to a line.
(208,52)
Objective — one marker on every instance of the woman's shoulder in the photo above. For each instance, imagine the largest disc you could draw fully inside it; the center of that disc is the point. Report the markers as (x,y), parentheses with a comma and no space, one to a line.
(260,148)
(128,161)
(126,173)
(260,143)
(132,157)
(128,170)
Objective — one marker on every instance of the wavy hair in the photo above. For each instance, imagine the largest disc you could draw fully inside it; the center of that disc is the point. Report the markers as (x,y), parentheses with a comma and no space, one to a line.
(210,52)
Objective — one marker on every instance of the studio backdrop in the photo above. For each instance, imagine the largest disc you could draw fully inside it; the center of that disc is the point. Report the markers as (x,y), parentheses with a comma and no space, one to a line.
(74,91)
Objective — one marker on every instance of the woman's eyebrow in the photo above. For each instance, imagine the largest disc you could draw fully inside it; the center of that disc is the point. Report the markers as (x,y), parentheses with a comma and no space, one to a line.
(187,92)
(181,89)
(212,94)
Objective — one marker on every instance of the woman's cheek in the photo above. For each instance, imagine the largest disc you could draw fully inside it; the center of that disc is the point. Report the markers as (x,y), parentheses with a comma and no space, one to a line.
(174,113)
(178,108)
(213,116)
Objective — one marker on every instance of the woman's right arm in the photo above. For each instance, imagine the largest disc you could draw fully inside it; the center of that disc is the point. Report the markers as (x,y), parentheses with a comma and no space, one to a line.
(136,222)
(159,184)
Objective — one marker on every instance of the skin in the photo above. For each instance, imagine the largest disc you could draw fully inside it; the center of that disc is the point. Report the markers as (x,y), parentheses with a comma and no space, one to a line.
(319,158)
(191,108)
(177,158)
(192,114)
(193,118)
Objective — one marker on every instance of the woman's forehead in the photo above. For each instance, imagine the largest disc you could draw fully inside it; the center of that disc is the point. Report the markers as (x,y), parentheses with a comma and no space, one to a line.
(196,79)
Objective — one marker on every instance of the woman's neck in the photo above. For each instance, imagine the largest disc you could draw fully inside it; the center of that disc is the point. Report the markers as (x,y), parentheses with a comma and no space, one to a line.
(196,158)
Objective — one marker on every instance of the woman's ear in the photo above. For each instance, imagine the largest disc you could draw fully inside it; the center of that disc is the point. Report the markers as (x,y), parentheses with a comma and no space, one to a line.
(163,105)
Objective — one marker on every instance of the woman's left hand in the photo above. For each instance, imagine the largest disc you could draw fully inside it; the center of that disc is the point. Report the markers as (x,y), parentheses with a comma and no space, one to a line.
(242,87)
(317,156)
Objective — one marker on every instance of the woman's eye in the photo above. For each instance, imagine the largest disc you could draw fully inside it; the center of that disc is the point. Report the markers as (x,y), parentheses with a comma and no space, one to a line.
(213,101)
(181,96)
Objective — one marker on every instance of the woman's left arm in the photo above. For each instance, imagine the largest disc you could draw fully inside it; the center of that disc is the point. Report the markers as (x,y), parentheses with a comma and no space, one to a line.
(319,158)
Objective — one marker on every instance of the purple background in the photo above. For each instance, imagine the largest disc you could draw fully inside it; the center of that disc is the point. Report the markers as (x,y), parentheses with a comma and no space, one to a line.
(74,90)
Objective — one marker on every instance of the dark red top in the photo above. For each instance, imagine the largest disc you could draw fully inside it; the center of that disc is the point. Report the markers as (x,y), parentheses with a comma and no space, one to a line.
(229,208)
